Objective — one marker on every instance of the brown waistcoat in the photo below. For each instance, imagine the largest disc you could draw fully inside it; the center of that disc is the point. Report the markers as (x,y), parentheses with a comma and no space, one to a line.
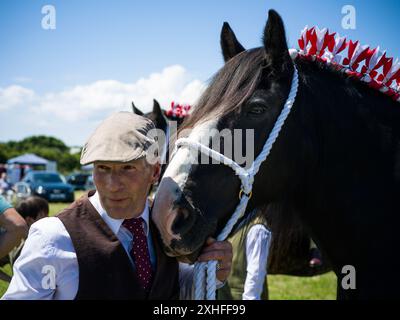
(105,271)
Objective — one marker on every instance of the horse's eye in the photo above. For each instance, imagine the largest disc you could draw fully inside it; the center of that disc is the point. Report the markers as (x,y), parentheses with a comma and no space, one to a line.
(257,109)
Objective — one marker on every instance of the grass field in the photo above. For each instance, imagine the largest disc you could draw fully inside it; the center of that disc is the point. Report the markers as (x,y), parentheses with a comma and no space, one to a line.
(280,287)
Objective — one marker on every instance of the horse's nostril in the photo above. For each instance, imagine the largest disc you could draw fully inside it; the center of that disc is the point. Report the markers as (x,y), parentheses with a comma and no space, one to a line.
(185,217)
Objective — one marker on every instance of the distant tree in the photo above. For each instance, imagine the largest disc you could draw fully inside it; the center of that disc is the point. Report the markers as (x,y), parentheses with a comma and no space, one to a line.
(44,146)
(44,142)
(3,153)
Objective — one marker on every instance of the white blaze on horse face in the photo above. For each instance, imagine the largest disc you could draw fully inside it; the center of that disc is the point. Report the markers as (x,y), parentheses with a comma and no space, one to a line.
(174,180)
(180,166)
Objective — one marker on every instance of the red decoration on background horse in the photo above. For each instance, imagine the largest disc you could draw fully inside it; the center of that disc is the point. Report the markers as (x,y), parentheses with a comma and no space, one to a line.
(178,110)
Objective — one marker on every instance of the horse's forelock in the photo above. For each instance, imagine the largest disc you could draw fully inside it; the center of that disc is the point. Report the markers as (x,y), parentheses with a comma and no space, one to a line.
(230,87)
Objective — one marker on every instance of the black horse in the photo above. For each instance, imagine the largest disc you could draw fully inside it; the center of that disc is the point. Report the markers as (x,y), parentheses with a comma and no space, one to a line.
(157,115)
(336,162)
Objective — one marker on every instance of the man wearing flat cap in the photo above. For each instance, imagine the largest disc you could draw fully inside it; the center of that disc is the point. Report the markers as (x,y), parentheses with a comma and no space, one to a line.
(105,245)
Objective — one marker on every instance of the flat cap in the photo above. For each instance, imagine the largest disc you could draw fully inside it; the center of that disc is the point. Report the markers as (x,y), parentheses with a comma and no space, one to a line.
(122,137)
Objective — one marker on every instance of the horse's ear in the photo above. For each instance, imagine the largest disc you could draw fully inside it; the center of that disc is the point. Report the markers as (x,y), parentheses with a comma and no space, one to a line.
(229,44)
(158,113)
(274,40)
(156,108)
(136,110)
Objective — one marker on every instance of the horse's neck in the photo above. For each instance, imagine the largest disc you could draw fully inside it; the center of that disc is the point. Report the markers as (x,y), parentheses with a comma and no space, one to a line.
(356,132)
(354,180)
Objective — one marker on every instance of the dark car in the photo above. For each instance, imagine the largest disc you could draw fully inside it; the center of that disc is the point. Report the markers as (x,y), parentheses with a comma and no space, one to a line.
(90,184)
(78,180)
(49,185)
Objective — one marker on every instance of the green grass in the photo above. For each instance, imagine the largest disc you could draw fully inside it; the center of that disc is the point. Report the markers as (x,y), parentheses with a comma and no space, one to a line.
(280,287)
(56,207)
(321,287)
(3,284)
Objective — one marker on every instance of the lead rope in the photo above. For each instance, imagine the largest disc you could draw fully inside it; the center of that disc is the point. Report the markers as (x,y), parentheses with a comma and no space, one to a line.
(205,272)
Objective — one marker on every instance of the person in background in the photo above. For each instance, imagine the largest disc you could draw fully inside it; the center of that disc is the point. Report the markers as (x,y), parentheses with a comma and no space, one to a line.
(251,243)
(32,209)
(2,168)
(13,229)
(4,184)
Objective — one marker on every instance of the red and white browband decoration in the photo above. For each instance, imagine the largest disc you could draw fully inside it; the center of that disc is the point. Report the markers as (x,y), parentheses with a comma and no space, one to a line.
(370,65)
(178,110)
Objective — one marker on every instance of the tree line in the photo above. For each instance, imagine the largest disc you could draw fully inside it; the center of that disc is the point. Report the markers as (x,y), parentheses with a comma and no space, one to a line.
(47,147)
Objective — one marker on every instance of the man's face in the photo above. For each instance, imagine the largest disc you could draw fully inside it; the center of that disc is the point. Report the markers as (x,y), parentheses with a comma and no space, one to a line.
(123,187)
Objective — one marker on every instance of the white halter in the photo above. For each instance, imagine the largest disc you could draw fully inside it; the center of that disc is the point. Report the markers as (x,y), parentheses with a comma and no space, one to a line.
(247,179)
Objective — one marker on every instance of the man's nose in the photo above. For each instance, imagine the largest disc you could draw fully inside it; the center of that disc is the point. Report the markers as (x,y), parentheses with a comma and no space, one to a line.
(114,182)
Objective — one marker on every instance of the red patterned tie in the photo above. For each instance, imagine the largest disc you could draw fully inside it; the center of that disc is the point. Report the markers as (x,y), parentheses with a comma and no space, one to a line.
(140,251)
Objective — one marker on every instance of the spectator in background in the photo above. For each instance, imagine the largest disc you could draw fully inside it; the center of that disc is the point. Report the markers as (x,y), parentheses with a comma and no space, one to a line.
(22,172)
(4,184)
(13,227)
(248,279)
(2,168)
(31,209)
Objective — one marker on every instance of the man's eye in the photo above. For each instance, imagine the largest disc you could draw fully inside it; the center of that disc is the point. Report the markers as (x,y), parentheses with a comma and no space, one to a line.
(129,167)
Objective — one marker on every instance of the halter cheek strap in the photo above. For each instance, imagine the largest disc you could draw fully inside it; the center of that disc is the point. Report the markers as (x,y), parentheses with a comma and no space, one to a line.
(247,178)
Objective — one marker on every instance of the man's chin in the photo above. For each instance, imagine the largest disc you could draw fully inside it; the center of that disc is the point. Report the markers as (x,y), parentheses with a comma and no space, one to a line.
(117,213)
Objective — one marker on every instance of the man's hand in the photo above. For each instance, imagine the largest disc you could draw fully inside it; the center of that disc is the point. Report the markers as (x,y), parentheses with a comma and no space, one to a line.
(221,251)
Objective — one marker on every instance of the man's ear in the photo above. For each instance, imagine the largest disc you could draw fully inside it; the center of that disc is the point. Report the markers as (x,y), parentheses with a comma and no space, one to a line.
(229,44)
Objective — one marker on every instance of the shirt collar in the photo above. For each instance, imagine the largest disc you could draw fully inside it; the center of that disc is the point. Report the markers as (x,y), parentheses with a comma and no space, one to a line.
(115,224)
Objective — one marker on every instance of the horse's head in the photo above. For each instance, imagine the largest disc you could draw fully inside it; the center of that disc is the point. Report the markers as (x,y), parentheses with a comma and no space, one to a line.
(195,200)
(156,115)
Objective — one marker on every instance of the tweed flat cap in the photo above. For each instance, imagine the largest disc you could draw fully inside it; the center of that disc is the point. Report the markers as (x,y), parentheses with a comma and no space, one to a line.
(122,137)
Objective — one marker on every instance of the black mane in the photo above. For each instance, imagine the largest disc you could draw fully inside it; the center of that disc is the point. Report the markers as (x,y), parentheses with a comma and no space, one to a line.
(229,87)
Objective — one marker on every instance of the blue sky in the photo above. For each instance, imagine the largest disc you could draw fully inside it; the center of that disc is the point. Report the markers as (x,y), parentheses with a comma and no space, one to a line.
(103,54)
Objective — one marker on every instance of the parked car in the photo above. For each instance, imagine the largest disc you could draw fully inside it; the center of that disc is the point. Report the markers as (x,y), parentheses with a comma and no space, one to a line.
(49,185)
(90,184)
(78,180)
(22,191)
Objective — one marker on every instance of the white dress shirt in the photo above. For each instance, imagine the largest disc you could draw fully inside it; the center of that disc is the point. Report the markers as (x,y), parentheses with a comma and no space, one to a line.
(258,240)
(49,251)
